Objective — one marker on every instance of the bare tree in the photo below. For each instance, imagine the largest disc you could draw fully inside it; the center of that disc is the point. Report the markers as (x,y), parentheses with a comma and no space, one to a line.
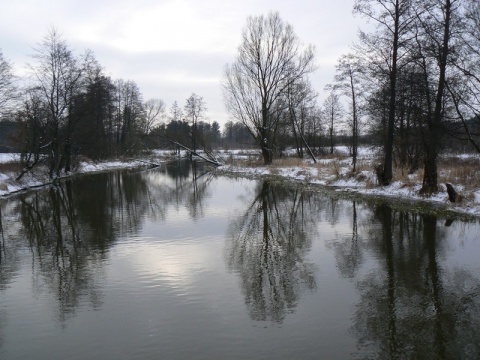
(333,111)
(347,80)
(8,90)
(195,109)
(154,112)
(32,117)
(464,86)
(314,126)
(58,78)
(435,44)
(301,103)
(270,58)
(388,44)
(174,129)
(176,113)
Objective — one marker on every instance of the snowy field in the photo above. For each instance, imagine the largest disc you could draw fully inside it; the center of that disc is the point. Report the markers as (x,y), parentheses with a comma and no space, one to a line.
(6,158)
(331,171)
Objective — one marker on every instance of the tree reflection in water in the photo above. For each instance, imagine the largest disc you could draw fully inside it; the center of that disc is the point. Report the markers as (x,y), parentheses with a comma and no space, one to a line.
(69,228)
(69,233)
(348,249)
(412,306)
(267,248)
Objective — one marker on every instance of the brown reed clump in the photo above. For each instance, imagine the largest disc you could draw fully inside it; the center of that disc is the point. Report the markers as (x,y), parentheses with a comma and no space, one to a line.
(464,171)
(10,167)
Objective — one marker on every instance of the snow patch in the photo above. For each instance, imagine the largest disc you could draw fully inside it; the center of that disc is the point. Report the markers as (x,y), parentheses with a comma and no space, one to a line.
(7,157)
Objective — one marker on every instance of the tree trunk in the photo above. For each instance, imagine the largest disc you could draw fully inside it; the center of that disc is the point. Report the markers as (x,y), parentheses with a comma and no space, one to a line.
(430,184)
(309,150)
(430,173)
(264,141)
(354,126)
(331,141)
(267,155)
(295,135)
(388,161)
(68,156)
(331,133)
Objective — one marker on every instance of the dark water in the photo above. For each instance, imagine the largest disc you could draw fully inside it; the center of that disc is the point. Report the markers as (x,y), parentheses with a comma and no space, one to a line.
(178,264)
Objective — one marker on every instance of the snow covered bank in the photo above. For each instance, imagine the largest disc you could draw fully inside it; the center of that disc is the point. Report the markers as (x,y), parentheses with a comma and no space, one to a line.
(330,171)
(336,174)
(8,174)
(7,157)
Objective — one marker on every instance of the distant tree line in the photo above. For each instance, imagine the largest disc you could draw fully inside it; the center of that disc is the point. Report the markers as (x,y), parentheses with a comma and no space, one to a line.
(71,108)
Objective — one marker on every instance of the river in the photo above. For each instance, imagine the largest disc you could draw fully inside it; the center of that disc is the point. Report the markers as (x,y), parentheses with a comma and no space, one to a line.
(177,263)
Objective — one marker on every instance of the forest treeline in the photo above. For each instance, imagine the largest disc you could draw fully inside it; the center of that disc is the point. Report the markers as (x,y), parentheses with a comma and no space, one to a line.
(69,107)
(411,85)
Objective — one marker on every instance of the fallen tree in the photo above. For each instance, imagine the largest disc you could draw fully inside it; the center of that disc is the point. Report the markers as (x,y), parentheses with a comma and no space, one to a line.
(209,156)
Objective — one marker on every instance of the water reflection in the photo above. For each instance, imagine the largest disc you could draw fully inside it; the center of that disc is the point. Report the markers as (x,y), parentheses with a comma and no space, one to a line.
(69,232)
(348,250)
(268,245)
(394,284)
(69,229)
(180,183)
(411,305)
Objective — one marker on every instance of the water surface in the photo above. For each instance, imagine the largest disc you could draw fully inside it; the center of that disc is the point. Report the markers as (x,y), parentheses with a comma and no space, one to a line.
(176,263)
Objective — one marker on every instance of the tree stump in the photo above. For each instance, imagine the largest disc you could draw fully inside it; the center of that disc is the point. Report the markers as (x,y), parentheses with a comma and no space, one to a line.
(379,173)
(453,196)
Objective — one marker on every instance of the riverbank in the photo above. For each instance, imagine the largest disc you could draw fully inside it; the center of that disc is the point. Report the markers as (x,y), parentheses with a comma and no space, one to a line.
(335,172)
(10,168)
(330,171)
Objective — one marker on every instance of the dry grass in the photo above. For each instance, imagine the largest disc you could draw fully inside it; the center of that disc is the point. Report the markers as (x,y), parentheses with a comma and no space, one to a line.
(407,177)
(290,162)
(331,167)
(333,156)
(246,161)
(12,166)
(460,171)
(365,173)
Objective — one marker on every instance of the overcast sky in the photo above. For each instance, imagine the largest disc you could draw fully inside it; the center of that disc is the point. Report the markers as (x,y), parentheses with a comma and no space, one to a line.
(172,48)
